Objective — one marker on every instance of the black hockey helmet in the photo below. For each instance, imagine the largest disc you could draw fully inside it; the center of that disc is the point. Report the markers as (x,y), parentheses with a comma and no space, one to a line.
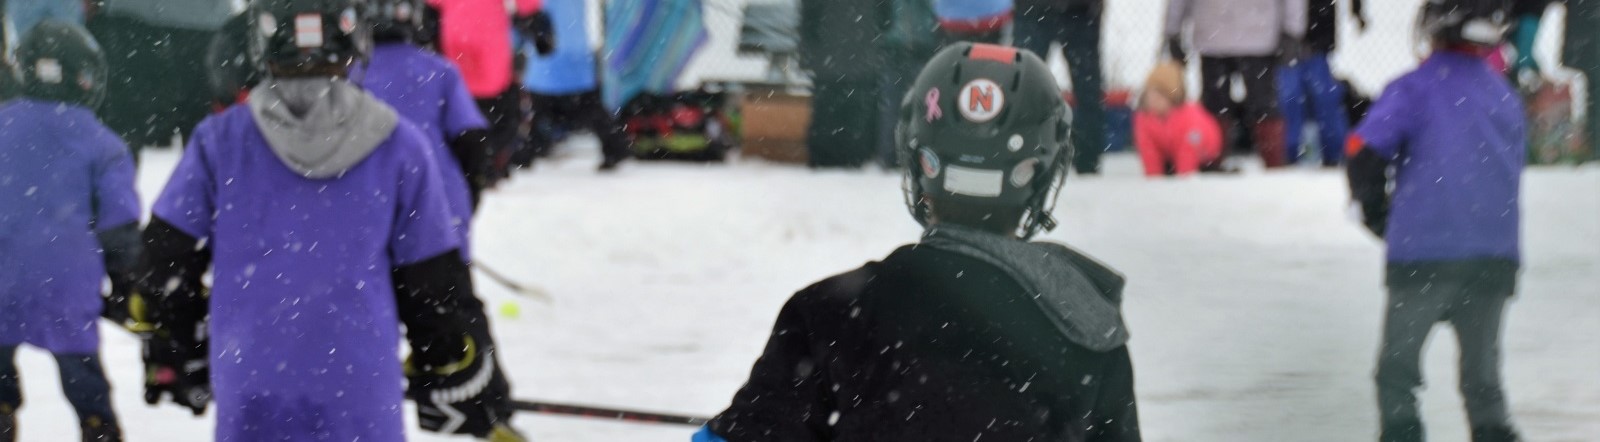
(985,127)
(1465,22)
(310,37)
(396,20)
(60,61)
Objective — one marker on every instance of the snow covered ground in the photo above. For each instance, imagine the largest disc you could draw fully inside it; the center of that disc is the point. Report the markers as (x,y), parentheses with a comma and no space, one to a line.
(1254,302)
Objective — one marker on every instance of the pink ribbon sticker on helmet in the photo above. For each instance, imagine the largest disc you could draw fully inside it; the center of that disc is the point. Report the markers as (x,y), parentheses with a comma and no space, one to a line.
(932,101)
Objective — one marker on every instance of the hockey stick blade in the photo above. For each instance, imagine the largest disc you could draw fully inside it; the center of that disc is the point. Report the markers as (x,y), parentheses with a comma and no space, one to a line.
(607,413)
(519,289)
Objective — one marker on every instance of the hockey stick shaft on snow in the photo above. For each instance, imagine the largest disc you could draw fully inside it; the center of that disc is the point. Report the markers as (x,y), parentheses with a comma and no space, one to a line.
(515,287)
(607,413)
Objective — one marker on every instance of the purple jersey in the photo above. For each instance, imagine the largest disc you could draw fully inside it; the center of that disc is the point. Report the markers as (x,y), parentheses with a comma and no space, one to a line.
(63,176)
(1456,133)
(427,91)
(303,328)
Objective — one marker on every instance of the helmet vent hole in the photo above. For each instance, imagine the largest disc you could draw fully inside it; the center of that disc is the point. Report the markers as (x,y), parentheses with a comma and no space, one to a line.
(1016,80)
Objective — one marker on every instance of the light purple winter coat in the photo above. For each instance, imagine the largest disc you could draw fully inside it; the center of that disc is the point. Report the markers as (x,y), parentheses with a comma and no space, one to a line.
(1236,28)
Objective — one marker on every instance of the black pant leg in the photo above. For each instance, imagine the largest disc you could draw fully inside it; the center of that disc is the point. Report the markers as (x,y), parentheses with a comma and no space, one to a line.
(1216,86)
(1477,321)
(1260,76)
(1081,46)
(83,381)
(10,379)
(1410,315)
(591,113)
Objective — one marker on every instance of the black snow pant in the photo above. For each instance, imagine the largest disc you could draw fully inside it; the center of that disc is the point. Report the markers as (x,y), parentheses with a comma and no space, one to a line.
(581,110)
(1470,296)
(82,379)
(844,121)
(1078,31)
(1260,77)
(502,112)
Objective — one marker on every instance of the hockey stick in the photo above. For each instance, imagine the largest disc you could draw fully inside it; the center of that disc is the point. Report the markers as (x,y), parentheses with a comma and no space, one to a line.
(607,413)
(519,289)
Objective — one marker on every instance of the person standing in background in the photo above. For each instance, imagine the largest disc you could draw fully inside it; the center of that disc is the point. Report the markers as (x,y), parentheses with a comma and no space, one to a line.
(1245,39)
(1308,84)
(476,36)
(836,45)
(1076,25)
(563,85)
(907,44)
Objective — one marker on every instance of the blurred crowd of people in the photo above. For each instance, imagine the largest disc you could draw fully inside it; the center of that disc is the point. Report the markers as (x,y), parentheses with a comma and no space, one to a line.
(1276,52)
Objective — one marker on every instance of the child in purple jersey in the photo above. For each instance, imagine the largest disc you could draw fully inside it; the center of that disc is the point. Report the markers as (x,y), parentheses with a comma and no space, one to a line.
(429,92)
(323,219)
(69,217)
(1453,132)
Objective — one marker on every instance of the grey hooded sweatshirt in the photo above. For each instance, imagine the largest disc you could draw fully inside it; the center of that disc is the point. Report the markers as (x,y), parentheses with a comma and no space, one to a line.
(320,127)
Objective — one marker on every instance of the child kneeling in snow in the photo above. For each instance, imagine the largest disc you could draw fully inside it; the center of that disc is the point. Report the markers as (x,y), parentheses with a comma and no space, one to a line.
(1174,136)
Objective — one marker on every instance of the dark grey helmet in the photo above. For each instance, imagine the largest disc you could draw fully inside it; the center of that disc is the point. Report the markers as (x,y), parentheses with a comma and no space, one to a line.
(985,126)
(309,35)
(1474,22)
(60,61)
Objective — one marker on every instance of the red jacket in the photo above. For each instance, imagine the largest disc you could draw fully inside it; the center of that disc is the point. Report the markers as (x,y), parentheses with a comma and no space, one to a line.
(1185,138)
(476,36)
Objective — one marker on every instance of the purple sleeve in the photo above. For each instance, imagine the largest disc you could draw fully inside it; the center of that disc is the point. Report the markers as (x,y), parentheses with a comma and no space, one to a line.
(1387,126)
(189,200)
(423,226)
(116,202)
(460,112)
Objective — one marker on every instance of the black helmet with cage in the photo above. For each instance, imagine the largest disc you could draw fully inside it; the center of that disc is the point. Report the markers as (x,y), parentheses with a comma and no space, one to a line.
(984,140)
(60,61)
(310,37)
(396,20)
(1481,23)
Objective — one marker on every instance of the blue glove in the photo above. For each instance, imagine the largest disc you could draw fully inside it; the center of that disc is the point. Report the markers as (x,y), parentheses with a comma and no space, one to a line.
(705,435)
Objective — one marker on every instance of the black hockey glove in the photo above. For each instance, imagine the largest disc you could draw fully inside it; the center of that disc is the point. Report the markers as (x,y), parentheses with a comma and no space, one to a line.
(538,29)
(175,355)
(177,367)
(121,248)
(471,150)
(1369,188)
(1175,49)
(453,376)
(456,396)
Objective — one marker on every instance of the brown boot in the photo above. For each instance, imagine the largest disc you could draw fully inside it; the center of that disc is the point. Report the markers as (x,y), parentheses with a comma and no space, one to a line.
(8,424)
(1269,138)
(96,429)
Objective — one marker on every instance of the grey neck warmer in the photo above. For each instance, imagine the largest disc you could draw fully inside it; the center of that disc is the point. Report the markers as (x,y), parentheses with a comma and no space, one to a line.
(1080,295)
(320,127)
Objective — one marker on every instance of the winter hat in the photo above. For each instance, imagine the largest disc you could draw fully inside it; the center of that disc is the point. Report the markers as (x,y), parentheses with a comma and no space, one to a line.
(1167,79)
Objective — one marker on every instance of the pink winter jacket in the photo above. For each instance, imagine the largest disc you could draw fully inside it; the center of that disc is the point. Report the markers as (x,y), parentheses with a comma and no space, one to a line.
(1186,137)
(476,35)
